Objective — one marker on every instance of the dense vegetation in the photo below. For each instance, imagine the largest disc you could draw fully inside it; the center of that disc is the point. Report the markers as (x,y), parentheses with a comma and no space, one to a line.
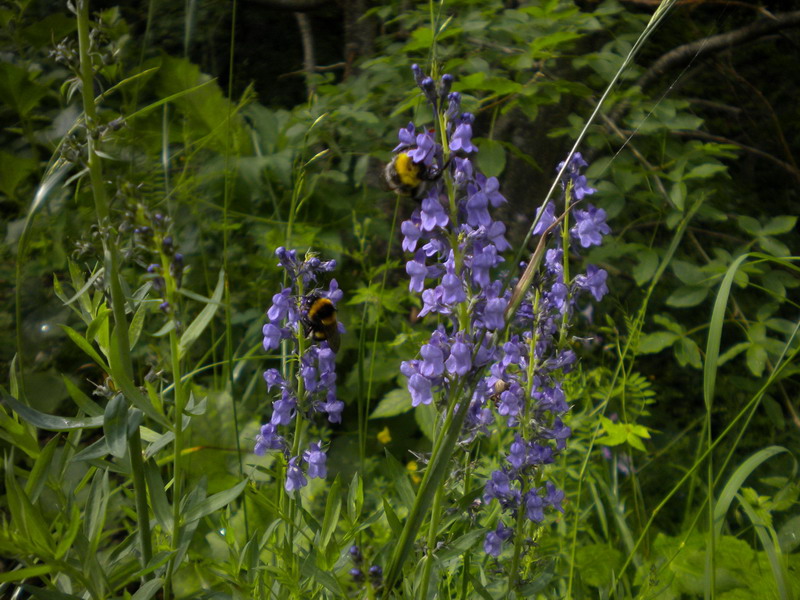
(187,190)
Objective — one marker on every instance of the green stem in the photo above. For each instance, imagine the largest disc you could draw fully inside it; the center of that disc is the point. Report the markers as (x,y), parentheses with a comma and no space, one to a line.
(137,468)
(94,162)
(432,480)
(112,264)
(432,530)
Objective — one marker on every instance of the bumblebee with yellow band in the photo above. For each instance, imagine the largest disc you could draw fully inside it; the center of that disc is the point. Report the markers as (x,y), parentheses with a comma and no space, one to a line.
(408,178)
(320,322)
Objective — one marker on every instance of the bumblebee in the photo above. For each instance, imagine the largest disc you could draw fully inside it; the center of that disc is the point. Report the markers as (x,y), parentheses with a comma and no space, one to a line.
(407,178)
(320,322)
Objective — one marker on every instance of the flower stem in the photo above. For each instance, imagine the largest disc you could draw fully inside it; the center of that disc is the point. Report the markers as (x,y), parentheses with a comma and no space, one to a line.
(112,265)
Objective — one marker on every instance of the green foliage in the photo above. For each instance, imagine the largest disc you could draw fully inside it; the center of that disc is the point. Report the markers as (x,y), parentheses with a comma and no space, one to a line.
(127,436)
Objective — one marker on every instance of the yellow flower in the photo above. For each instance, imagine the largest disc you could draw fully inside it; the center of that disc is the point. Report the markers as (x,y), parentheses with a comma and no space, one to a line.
(411,467)
(384,437)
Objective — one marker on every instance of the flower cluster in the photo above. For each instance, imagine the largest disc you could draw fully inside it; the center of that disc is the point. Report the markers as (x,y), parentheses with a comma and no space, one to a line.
(512,364)
(313,389)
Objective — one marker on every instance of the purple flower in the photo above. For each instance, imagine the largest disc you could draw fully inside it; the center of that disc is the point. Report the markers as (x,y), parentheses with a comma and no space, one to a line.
(483,259)
(316,460)
(499,486)
(560,433)
(518,452)
(460,360)
(493,544)
(534,506)
(512,401)
(432,364)
(590,226)
(477,207)
(546,220)
(461,140)
(453,105)
(594,281)
(554,497)
(283,410)
(423,153)
(273,336)
(406,136)
(273,378)
(463,174)
(433,214)
(418,271)
(411,230)
(491,187)
(268,439)
(295,479)
(281,305)
(572,173)
(333,407)
(420,389)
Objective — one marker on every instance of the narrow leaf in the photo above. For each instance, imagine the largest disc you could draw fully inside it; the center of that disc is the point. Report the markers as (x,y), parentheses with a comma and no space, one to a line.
(115,425)
(214,503)
(197,326)
(50,422)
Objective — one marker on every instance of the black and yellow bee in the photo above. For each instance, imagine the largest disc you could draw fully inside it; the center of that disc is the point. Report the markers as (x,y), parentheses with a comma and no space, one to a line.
(320,322)
(407,178)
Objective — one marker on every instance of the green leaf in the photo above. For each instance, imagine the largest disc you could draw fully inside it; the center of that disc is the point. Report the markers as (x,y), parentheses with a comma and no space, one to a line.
(332,509)
(81,342)
(491,157)
(13,171)
(688,353)
(391,518)
(50,422)
(86,404)
(789,535)
(197,326)
(597,564)
(40,470)
(395,402)
(756,359)
(148,589)
(96,505)
(115,425)
(773,246)
(18,90)
(25,573)
(646,266)
(158,497)
(705,171)
(213,503)
(398,475)
(688,273)
(780,224)
(355,498)
(687,296)
(653,343)
(425,416)
(749,225)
